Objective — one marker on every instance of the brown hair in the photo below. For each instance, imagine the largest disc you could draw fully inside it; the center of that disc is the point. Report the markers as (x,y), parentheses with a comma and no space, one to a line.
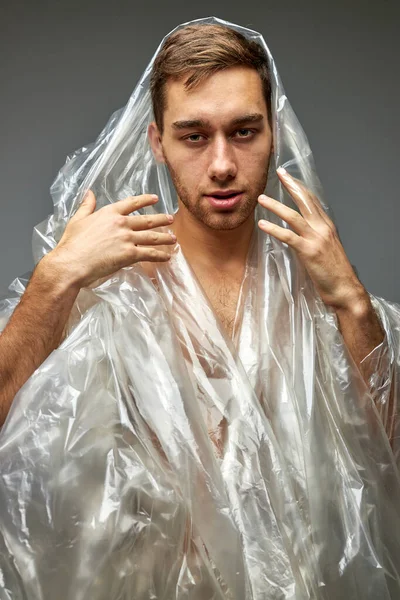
(200,51)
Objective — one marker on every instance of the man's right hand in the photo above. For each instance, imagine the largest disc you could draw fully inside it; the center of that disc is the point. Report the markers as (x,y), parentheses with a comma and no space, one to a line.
(97,244)
(94,245)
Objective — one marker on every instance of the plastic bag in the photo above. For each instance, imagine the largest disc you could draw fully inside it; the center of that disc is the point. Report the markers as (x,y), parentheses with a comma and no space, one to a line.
(112,487)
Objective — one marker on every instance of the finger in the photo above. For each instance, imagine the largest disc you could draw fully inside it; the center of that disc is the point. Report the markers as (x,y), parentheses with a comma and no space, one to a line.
(152,255)
(142,222)
(129,205)
(87,206)
(292,217)
(153,238)
(309,205)
(280,233)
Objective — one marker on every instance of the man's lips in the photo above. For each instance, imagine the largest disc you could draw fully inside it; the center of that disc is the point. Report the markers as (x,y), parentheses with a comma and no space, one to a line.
(224,199)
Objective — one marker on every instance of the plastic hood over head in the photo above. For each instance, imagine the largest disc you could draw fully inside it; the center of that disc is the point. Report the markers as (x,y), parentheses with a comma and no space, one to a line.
(150,457)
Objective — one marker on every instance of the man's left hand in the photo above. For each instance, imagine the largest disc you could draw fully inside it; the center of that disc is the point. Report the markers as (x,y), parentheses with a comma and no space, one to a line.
(314,238)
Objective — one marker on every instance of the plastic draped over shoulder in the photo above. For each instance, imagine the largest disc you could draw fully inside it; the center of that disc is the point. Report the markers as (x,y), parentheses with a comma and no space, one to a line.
(151,457)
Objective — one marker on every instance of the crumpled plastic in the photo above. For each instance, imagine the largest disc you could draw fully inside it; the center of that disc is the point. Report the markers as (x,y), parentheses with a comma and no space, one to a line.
(151,457)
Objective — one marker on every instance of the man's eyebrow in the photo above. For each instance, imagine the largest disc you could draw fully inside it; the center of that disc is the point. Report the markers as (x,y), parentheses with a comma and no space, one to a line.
(250,118)
(191,123)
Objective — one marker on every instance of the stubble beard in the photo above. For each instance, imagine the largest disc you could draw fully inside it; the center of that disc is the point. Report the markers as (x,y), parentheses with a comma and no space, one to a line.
(223,220)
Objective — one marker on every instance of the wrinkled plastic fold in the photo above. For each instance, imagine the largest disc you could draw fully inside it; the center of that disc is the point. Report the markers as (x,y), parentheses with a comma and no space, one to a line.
(151,457)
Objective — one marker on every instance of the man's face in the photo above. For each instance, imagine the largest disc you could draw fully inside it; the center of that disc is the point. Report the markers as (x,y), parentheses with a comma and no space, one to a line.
(217,144)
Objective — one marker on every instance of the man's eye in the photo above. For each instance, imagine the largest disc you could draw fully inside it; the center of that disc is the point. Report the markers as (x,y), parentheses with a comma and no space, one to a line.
(194,137)
(243,133)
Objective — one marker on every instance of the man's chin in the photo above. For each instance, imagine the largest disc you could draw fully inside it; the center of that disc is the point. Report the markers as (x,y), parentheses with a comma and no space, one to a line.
(224,221)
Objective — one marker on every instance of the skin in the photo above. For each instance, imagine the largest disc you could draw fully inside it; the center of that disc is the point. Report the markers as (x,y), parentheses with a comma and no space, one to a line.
(229,147)
(226,151)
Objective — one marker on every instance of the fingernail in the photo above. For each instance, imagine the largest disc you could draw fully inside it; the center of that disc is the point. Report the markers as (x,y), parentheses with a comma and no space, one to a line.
(173,236)
(282,170)
(154,197)
(170,218)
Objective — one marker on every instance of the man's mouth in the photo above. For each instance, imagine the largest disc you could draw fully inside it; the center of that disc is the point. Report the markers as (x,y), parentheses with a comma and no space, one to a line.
(224,199)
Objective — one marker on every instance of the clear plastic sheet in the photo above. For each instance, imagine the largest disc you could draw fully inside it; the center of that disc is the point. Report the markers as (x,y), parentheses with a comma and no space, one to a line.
(112,484)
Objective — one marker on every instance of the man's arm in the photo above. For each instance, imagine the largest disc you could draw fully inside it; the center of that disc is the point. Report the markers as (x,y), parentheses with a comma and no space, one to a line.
(361,331)
(34,329)
(94,245)
(366,341)
(314,238)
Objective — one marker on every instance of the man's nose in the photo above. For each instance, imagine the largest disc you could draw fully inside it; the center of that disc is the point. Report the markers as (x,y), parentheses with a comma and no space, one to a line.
(222,164)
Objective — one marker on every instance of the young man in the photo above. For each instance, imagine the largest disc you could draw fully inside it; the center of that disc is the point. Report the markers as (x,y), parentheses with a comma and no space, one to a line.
(213,130)
(112,486)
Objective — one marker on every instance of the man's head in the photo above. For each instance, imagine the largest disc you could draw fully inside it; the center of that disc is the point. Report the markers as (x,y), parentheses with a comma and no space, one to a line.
(211,97)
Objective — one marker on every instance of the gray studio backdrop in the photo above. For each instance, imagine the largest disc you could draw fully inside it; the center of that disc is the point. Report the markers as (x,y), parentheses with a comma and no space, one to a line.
(66,66)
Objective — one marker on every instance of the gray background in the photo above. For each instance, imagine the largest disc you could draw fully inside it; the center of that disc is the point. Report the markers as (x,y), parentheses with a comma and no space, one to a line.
(66,66)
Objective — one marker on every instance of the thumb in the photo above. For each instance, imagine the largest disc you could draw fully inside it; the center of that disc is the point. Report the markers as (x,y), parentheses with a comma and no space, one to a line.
(87,206)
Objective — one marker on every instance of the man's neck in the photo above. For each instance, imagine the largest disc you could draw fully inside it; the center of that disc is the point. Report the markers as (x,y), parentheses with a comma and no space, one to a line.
(211,249)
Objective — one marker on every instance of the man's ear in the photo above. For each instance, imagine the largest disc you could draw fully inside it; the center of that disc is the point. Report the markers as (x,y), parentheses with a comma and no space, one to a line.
(155,142)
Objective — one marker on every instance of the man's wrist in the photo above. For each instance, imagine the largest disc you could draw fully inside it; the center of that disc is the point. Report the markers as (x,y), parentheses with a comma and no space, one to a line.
(56,275)
(356,303)
(358,315)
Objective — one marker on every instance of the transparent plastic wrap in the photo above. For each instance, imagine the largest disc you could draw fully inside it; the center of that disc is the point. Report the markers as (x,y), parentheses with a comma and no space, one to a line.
(112,484)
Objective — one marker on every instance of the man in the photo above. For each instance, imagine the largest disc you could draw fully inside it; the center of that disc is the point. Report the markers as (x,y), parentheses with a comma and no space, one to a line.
(211,154)
(213,129)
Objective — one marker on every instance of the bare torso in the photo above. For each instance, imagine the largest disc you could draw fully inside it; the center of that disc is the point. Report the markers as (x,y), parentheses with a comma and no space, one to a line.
(222,291)
(223,294)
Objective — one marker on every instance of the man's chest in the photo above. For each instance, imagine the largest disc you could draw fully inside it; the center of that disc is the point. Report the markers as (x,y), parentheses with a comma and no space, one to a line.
(223,294)
(222,291)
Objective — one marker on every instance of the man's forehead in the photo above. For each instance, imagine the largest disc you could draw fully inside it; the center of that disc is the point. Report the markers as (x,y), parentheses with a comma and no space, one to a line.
(231,95)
